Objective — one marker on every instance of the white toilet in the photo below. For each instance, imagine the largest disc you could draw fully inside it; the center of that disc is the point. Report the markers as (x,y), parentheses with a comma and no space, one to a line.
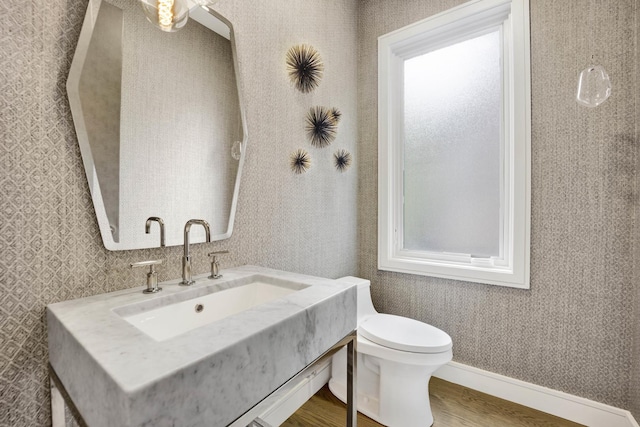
(396,357)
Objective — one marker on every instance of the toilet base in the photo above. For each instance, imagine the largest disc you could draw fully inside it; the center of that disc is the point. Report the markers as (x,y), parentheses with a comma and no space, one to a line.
(369,406)
(393,394)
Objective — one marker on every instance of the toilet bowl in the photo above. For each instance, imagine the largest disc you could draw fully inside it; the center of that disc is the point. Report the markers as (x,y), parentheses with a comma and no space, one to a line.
(396,357)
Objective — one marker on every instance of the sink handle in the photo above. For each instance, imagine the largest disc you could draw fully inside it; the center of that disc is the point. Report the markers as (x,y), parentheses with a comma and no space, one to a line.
(215,264)
(152,275)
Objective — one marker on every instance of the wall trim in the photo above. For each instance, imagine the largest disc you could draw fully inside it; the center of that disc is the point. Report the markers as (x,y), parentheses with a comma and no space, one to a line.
(560,404)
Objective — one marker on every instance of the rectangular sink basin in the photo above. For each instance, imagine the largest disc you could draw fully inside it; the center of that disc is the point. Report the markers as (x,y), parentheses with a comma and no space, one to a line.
(175,319)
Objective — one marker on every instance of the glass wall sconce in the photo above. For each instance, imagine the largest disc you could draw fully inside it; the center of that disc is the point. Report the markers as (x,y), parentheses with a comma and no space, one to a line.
(168,15)
(594,86)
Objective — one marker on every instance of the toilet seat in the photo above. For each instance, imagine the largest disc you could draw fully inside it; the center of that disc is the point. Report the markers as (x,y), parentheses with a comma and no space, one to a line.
(404,334)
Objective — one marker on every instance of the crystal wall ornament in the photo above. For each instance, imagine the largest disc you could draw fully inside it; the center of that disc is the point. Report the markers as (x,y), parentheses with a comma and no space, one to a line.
(594,86)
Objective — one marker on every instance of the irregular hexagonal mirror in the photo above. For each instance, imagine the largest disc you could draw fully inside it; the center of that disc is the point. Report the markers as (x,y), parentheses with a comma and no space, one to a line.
(158,118)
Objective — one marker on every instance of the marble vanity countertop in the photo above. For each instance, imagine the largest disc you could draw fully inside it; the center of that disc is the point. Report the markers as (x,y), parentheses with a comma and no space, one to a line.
(117,375)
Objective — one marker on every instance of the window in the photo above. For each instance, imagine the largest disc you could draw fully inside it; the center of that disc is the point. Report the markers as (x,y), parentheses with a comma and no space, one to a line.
(454,145)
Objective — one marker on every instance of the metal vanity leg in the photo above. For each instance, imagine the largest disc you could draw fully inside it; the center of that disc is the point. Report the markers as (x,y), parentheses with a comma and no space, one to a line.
(352,398)
(57,405)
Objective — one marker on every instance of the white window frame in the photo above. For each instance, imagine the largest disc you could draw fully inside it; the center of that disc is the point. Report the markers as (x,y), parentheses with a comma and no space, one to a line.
(472,19)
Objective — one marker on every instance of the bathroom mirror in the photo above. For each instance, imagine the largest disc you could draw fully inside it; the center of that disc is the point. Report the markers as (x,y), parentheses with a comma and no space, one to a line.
(159,123)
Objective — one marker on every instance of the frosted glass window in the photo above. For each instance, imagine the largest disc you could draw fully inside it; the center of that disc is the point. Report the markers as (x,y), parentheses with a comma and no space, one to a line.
(454,145)
(452,148)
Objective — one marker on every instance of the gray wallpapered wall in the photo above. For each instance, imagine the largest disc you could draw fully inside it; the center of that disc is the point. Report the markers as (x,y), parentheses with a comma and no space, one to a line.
(572,331)
(49,241)
(634,383)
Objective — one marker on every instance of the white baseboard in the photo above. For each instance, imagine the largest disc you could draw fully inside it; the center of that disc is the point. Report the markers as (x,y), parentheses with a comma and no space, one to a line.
(564,405)
(560,404)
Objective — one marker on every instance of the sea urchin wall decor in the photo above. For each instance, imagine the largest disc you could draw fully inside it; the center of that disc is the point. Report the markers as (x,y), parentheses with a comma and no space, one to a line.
(305,67)
(336,114)
(300,161)
(321,126)
(342,159)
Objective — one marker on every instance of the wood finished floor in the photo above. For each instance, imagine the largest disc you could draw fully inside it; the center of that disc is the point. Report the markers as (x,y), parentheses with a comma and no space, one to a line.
(452,406)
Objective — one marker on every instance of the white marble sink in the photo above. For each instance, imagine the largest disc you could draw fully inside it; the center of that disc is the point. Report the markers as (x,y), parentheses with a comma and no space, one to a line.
(161,323)
(185,370)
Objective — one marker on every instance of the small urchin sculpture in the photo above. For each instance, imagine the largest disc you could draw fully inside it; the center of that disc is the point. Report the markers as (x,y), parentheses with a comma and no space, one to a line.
(342,159)
(336,114)
(321,126)
(300,161)
(305,67)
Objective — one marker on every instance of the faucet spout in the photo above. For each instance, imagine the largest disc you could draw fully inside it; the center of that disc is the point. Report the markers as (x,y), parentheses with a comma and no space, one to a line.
(147,228)
(187,276)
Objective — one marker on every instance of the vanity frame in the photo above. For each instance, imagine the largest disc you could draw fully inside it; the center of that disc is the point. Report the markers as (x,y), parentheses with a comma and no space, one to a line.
(251,418)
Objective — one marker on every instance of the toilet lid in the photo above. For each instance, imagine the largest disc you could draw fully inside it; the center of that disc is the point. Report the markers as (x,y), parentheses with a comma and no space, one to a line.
(404,334)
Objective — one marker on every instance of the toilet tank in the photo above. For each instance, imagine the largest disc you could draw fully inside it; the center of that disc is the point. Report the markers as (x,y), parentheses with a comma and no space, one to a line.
(365,305)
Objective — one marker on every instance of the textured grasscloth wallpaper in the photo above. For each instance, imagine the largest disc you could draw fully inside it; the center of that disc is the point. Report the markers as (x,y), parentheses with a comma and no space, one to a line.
(198,148)
(572,331)
(50,248)
(634,391)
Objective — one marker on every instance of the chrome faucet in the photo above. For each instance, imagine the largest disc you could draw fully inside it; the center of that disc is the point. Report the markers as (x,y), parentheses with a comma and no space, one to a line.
(186,259)
(147,227)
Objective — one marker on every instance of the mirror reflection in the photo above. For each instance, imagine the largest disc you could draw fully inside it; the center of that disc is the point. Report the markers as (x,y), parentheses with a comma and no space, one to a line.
(159,123)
